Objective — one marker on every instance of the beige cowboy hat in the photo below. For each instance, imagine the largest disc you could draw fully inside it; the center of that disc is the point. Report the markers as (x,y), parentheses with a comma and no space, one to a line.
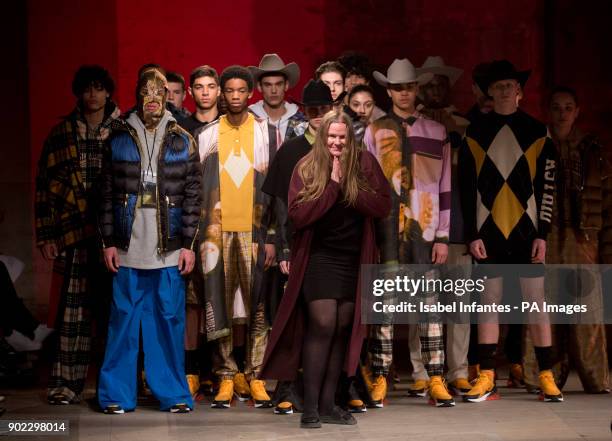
(435,65)
(271,63)
(401,72)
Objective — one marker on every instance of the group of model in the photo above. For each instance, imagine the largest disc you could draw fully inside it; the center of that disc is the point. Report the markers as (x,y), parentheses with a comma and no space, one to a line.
(232,238)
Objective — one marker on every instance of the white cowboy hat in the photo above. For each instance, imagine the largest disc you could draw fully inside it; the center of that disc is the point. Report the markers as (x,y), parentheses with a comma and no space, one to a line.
(401,72)
(435,65)
(271,63)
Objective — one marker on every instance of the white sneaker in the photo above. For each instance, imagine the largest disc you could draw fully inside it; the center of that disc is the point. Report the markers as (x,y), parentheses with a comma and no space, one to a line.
(21,343)
(41,333)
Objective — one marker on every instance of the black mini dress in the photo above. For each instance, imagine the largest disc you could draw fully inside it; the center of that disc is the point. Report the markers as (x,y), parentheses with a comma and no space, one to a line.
(333,264)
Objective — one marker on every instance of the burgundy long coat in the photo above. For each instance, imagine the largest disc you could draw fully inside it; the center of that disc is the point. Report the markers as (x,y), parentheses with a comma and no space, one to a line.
(284,351)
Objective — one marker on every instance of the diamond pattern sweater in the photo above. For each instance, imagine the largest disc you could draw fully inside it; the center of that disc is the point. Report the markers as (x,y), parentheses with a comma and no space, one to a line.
(507,180)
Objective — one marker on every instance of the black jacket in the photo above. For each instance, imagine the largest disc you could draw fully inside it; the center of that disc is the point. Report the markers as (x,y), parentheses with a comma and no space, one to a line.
(179,177)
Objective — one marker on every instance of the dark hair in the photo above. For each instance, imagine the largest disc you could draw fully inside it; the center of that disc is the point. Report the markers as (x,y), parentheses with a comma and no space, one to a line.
(88,75)
(360,88)
(175,77)
(203,71)
(272,74)
(330,66)
(563,89)
(239,72)
(356,63)
(151,66)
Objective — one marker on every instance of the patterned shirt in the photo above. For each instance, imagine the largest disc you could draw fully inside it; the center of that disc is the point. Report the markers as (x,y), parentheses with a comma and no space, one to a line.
(414,154)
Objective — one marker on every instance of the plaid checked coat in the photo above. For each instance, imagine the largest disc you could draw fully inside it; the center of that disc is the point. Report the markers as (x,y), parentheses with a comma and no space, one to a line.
(61,201)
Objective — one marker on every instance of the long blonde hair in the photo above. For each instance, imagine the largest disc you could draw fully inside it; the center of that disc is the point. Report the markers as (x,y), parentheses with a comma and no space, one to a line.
(315,168)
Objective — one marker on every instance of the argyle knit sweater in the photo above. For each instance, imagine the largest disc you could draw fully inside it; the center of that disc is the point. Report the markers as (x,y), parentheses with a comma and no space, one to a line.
(507,181)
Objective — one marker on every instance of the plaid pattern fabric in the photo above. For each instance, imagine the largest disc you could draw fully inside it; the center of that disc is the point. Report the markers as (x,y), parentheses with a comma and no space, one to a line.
(431,334)
(90,143)
(61,187)
(256,343)
(237,255)
(380,349)
(83,274)
(432,347)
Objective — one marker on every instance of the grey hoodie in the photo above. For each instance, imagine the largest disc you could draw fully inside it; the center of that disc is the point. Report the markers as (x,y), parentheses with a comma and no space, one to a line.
(291,109)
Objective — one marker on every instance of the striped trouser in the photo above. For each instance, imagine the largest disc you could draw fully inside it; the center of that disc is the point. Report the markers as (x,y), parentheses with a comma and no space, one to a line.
(237,258)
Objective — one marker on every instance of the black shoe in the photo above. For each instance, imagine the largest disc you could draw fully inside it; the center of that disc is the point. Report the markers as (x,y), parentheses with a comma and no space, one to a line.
(114,409)
(310,421)
(180,408)
(58,400)
(339,416)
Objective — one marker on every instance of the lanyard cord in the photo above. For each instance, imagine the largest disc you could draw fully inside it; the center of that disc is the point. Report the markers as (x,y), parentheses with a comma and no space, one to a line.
(149,151)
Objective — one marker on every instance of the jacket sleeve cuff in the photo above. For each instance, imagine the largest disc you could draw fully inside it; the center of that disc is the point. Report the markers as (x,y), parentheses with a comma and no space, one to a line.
(271,237)
(189,243)
(284,254)
(543,234)
(108,242)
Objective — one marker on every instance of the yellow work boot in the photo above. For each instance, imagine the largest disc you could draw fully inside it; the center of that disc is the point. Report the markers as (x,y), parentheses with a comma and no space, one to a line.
(354,403)
(241,387)
(418,388)
(366,374)
(223,399)
(515,376)
(193,381)
(379,391)
(549,391)
(473,372)
(356,406)
(484,388)
(260,396)
(438,393)
(287,401)
(460,386)
(284,408)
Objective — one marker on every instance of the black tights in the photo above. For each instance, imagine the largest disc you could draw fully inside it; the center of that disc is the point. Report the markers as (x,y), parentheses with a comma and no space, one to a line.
(327,337)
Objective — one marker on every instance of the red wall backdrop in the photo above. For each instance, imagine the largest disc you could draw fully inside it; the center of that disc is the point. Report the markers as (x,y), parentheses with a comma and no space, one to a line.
(560,40)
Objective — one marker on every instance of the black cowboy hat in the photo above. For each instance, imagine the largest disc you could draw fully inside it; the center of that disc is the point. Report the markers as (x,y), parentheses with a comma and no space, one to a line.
(316,93)
(503,70)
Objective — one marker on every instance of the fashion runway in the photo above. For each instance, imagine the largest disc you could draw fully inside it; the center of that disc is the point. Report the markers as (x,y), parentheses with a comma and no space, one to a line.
(517,416)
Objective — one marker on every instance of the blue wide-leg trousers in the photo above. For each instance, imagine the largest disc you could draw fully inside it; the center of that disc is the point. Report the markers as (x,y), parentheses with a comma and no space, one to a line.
(154,301)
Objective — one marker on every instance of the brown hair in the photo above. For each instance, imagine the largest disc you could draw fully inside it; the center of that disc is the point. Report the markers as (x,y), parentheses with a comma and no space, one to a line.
(330,66)
(315,168)
(203,71)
